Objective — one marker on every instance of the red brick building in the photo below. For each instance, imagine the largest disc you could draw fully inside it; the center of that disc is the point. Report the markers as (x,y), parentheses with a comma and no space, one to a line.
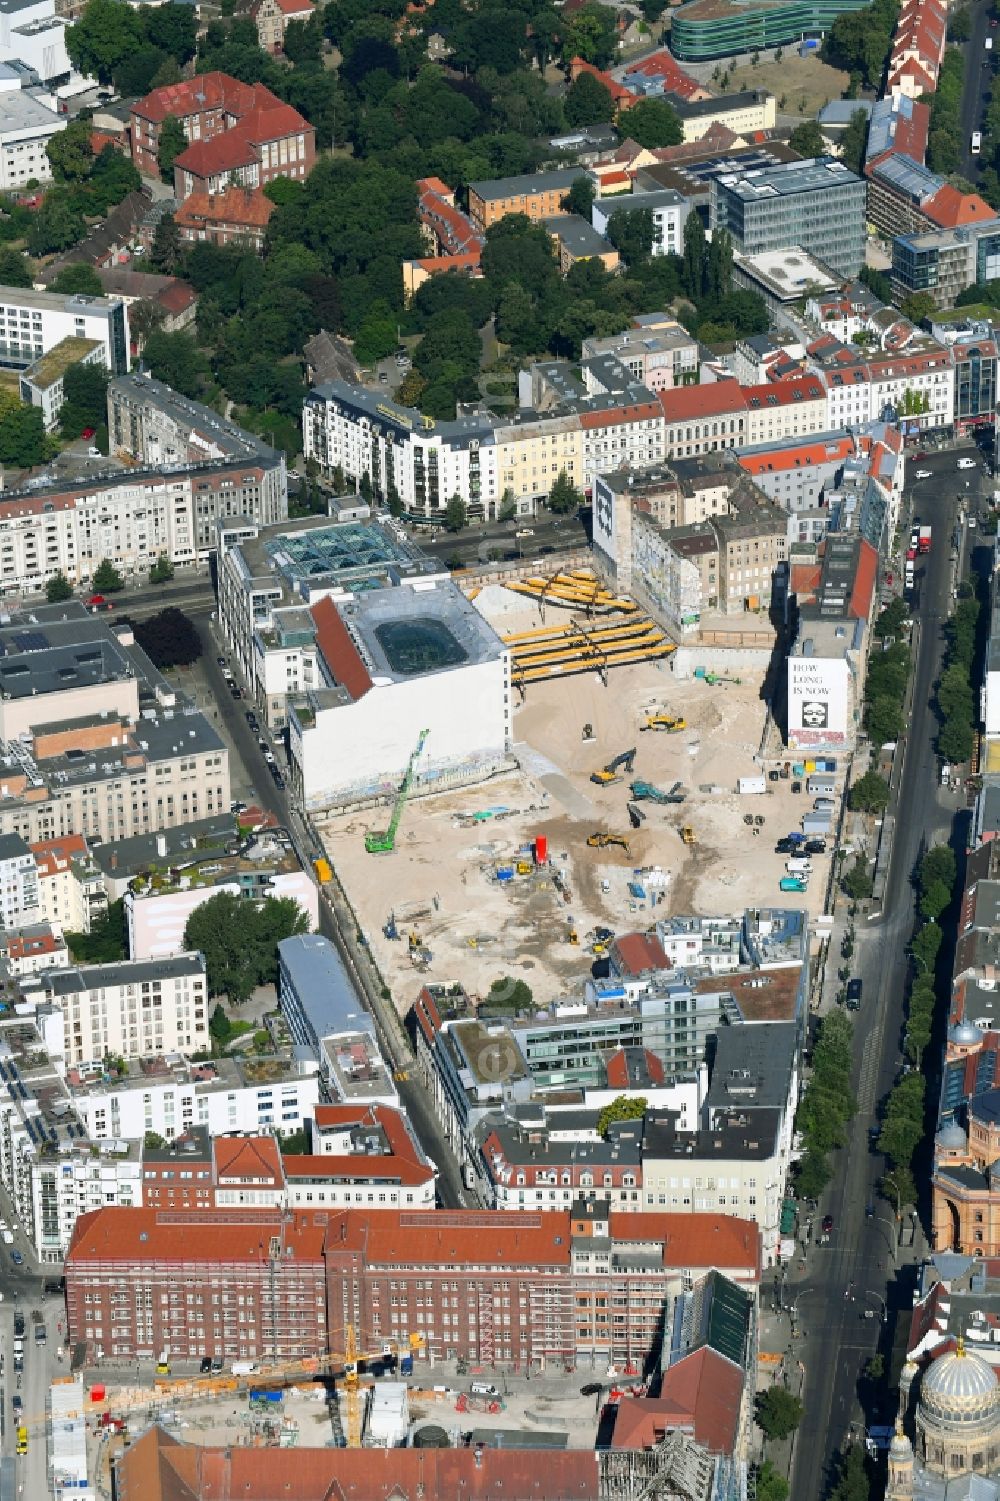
(238,133)
(238,215)
(498,1289)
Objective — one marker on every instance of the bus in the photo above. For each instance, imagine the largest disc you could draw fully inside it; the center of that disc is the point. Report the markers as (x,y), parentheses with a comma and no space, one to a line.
(977,142)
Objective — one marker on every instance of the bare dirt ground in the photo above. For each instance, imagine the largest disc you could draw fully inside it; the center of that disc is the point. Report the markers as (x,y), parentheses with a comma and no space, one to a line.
(440,883)
(805,84)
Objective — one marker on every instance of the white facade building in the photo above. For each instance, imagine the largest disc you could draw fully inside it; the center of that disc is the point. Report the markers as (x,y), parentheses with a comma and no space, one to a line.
(19,897)
(668,209)
(32,323)
(410,669)
(26,125)
(156,919)
(170,1096)
(127,1009)
(32,33)
(76,1181)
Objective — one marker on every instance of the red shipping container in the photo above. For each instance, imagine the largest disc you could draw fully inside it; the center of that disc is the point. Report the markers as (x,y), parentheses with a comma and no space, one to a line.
(541,849)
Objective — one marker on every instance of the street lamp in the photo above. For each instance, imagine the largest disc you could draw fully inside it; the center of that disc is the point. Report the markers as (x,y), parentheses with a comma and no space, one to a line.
(871,1293)
(892,1233)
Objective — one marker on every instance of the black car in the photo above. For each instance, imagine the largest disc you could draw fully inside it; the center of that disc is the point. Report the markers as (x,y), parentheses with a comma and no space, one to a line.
(221,661)
(815,846)
(785,847)
(216,1365)
(206,1364)
(854,988)
(16,1403)
(279,780)
(236,692)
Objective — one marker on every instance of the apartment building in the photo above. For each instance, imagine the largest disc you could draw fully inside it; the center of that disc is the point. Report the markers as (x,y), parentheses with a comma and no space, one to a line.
(667,208)
(269,576)
(917,49)
(71,890)
(271,18)
(20,901)
(704,419)
(362,1155)
(906,197)
(658,357)
(944,262)
(153,424)
(169,1095)
(127,1009)
(233,216)
(259,137)
(538,195)
(27,124)
(817,204)
(131,518)
(744,113)
(570,1286)
(32,323)
(78,1180)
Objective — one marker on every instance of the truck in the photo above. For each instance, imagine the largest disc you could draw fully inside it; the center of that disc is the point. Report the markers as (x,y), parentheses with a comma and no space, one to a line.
(924,539)
(244,1367)
(798,867)
(791,883)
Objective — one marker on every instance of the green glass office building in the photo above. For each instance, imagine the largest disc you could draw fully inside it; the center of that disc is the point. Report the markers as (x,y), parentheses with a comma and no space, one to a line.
(704,29)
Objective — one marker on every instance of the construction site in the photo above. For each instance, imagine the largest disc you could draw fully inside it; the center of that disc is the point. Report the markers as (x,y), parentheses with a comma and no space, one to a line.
(636,795)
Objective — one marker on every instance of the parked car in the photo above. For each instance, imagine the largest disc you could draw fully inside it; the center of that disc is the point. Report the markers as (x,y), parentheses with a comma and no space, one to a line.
(221,661)
(923,474)
(236,692)
(854,988)
(206,1364)
(17,1258)
(88,433)
(827,1223)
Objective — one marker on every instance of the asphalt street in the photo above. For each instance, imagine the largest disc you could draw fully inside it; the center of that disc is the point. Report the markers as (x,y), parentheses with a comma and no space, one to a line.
(979,66)
(854,1272)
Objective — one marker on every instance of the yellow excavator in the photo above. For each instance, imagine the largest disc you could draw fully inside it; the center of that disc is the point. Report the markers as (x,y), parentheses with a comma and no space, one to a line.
(669,722)
(600,841)
(688,834)
(610,773)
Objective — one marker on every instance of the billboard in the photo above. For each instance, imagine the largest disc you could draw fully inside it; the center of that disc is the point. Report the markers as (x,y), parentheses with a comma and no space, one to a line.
(818,701)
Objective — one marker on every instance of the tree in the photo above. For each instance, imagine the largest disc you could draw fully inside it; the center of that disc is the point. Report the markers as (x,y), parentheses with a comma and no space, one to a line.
(106,34)
(852,1477)
(807,139)
(239,939)
(455,514)
(857,882)
(177,361)
(70,153)
(57,225)
(144,318)
(624,1108)
(107,579)
(105,943)
(153,1141)
(870,793)
(135,73)
(58,588)
(580,198)
(654,123)
(85,398)
(22,436)
(590,34)
(168,638)
(852,142)
(955,740)
(172,141)
(508,994)
(173,29)
(166,247)
(919,306)
(770,1486)
(694,256)
(219,1025)
(564,498)
(15,268)
(631,233)
(959,25)
(938,864)
(77,279)
(587,101)
(162,570)
(777,1412)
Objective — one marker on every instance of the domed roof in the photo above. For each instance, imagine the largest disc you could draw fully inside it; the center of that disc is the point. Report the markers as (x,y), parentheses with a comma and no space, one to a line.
(951,1135)
(965,1034)
(960,1388)
(900,1449)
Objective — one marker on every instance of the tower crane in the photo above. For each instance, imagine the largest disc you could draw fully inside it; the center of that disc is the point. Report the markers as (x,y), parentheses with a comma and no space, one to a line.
(384,843)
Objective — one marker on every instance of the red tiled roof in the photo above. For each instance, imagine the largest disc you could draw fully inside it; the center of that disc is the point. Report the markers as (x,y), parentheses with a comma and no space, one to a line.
(52,855)
(426,1014)
(20,947)
(207,91)
(247,1157)
(662,65)
(158,1467)
(245,210)
(177,297)
(339,651)
(295,7)
(701,1394)
(401,1162)
(619,93)
(865,579)
(949,208)
(802,456)
(221,153)
(683,402)
(636,952)
(613,416)
(619,1070)
(789,392)
(142,1235)
(270,122)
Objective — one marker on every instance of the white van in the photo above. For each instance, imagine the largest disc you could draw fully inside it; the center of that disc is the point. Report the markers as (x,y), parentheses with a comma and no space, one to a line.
(966,463)
(976,144)
(483,1389)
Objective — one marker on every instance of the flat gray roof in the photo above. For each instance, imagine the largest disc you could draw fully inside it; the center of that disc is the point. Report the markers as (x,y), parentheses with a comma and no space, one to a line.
(128,972)
(323,988)
(20,110)
(57,302)
(788,178)
(235,442)
(752,1066)
(527,184)
(402,626)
